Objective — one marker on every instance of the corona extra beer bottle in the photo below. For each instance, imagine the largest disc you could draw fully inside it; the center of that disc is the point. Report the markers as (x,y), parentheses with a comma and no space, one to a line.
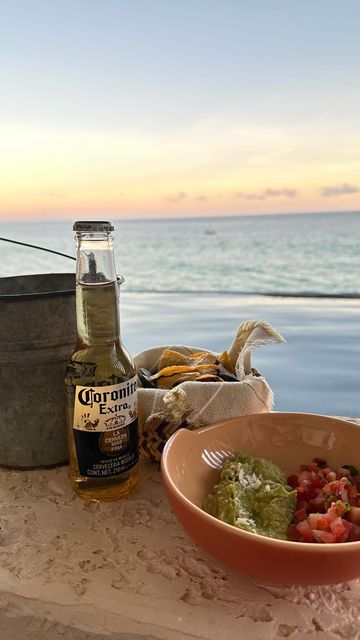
(100,378)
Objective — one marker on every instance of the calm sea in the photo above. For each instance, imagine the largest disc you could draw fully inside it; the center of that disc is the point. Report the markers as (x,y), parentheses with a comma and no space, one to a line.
(316,370)
(292,254)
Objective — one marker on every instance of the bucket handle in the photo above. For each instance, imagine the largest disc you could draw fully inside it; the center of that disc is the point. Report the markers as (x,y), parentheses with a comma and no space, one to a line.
(120,279)
(34,246)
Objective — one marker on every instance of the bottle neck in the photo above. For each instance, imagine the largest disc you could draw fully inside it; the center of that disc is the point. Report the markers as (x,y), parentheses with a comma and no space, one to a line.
(97,292)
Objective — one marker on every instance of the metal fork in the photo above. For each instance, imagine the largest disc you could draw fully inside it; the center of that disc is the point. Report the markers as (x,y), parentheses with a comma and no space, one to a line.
(214,459)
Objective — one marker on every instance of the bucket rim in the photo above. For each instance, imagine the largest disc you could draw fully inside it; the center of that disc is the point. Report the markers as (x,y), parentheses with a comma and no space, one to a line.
(18,297)
(33,295)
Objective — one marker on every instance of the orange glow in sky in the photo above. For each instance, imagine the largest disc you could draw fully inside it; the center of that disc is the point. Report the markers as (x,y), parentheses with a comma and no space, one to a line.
(141,125)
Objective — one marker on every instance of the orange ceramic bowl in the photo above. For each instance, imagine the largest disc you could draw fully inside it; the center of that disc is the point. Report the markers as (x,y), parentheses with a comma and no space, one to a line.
(288,439)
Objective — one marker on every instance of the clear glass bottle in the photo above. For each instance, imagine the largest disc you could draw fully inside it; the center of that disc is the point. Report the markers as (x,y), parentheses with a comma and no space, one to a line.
(100,380)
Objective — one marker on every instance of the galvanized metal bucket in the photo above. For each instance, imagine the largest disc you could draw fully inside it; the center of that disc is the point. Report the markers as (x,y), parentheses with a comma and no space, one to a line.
(37,337)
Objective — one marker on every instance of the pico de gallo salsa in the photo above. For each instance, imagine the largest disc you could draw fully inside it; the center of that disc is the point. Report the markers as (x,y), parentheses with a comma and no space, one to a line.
(327,503)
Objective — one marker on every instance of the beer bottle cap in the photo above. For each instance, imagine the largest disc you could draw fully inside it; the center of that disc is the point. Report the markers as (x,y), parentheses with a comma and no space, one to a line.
(93,226)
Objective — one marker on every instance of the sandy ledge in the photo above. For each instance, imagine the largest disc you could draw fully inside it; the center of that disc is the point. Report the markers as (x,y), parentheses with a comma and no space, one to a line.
(126,570)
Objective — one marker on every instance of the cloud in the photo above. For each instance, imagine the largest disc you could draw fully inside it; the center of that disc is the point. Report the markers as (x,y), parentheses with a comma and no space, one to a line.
(340,190)
(54,194)
(267,194)
(181,196)
(178,197)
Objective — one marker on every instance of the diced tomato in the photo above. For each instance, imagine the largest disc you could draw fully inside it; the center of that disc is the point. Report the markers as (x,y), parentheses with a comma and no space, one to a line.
(317,504)
(319,481)
(305,531)
(356,501)
(293,533)
(304,476)
(337,527)
(352,492)
(293,481)
(302,504)
(338,508)
(313,467)
(328,504)
(344,537)
(331,487)
(319,521)
(337,488)
(306,492)
(300,515)
(354,531)
(323,536)
(325,470)
(354,515)
(301,492)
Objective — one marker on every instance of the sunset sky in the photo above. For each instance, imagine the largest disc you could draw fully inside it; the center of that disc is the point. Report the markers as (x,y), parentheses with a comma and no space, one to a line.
(168,108)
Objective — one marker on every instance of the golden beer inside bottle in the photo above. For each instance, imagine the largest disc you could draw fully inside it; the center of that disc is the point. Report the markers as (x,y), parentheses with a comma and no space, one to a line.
(101,364)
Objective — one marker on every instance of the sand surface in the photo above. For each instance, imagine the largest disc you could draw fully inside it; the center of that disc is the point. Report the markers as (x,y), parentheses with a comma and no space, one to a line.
(127,571)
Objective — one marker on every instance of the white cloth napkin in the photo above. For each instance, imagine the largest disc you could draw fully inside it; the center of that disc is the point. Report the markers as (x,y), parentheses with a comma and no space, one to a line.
(203,403)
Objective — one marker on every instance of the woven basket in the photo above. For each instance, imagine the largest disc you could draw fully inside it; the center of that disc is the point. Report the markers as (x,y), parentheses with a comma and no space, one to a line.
(207,402)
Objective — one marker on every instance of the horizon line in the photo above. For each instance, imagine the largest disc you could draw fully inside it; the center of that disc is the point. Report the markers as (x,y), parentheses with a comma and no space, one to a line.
(178,218)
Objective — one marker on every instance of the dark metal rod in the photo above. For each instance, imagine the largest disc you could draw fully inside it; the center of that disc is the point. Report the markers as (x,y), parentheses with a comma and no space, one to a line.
(34,246)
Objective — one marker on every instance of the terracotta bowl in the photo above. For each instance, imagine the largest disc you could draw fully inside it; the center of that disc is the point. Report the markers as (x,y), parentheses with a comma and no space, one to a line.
(288,439)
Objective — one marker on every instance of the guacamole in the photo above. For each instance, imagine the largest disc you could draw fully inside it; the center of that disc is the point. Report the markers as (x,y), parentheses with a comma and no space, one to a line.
(253,494)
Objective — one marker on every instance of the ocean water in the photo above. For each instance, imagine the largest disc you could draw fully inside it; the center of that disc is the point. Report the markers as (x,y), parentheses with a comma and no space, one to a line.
(167,263)
(303,254)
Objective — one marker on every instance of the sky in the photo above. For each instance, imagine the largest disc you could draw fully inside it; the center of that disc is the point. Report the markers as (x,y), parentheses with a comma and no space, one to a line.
(162,108)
